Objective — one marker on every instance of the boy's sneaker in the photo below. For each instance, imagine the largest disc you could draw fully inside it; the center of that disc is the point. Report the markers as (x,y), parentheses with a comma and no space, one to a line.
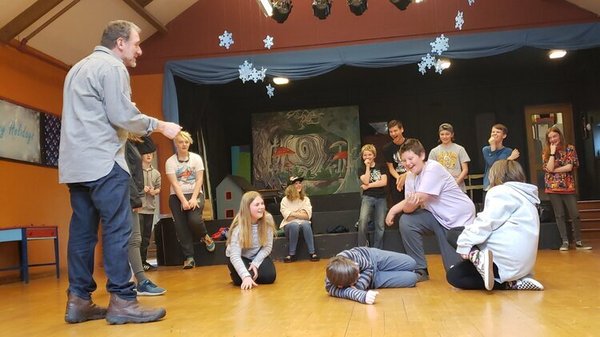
(579,246)
(210,244)
(564,247)
(484,263)
(147,288)
(148,267)
(526,283)
(189,263)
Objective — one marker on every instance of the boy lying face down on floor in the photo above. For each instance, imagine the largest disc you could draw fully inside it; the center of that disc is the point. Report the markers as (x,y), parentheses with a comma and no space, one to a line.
(354,273)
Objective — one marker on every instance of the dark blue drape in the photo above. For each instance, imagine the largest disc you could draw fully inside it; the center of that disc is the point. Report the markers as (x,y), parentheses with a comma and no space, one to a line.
(308,63)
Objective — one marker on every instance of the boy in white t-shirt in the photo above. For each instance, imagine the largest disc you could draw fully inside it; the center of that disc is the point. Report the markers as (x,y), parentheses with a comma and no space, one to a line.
(433,205)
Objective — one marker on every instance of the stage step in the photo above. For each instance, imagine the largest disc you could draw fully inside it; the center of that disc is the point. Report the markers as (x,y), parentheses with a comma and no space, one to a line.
(327,245)
(589,213)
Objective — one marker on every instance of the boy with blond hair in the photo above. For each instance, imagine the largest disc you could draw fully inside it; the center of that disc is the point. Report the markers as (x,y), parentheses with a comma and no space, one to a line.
(373,180)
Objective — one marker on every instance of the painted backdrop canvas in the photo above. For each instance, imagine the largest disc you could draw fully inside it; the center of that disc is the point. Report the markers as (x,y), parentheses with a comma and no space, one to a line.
(322,145)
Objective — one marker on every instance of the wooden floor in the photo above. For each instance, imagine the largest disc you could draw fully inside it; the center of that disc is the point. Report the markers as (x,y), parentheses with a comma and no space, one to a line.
(202,302)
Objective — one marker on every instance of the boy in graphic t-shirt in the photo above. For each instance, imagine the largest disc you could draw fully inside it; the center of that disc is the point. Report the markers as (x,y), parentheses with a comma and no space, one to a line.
(373,180)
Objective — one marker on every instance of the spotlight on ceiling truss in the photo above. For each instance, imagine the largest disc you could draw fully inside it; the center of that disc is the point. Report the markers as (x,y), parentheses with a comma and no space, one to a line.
(401,4)
(321,8)
(266,7)
(358,7)
(281,10)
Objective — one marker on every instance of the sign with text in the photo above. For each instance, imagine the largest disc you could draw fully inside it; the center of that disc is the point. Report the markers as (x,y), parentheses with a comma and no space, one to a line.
(19,133)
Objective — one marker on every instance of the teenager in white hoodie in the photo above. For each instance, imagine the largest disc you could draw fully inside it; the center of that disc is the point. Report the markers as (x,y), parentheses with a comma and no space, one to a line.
(499,248)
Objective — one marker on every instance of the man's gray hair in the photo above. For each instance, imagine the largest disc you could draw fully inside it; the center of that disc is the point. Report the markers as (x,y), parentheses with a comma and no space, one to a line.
(115,30)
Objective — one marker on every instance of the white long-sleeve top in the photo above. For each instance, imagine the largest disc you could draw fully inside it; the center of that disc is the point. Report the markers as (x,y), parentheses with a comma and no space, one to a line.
(509,226)
(288,207)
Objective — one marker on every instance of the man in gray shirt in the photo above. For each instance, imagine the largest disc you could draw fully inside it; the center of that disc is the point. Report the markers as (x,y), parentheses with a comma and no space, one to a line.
(97,116)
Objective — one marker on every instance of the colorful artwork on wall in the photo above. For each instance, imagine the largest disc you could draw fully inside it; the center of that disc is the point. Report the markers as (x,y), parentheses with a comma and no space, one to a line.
(321,145)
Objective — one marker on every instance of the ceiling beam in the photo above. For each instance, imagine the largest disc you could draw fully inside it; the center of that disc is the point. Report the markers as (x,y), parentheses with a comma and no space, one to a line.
(143,3)
(146,15)
(26,19)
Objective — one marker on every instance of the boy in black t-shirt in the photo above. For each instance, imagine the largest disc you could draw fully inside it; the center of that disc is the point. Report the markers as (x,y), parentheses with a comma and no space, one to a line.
(373,180)
(391,155)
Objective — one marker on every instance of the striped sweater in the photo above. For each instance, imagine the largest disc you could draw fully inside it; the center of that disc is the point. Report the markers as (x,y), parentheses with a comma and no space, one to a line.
(362,257)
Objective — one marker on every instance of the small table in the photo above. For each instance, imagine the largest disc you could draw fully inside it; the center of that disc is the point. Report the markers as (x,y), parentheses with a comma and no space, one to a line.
(25,234)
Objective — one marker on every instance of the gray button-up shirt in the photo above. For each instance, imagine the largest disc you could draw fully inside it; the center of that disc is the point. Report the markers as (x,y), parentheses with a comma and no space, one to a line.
(97,115)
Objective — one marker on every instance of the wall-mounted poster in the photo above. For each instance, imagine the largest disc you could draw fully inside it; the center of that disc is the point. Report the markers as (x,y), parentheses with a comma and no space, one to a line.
(321,145)
(19,133)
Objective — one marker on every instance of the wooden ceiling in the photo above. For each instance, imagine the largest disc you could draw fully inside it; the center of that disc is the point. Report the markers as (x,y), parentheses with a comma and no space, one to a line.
(67,30)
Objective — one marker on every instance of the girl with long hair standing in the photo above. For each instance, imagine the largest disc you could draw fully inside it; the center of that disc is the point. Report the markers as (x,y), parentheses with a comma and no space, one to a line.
(560,161)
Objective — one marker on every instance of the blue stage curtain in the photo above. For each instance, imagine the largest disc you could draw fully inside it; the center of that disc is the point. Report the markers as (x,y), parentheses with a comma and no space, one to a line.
(309,63)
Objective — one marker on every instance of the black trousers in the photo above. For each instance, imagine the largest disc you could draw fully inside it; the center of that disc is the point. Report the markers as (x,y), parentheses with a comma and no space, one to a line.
(266,272)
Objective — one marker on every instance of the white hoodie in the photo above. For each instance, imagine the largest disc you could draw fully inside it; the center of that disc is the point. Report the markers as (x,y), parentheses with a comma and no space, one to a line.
(509,226)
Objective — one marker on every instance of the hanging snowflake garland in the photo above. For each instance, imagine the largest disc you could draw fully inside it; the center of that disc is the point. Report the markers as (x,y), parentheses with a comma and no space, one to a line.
(440,45)
(226,39)
(270,90)
(268,41)
(459,20)
(471,2)
(249,73)
(427,62)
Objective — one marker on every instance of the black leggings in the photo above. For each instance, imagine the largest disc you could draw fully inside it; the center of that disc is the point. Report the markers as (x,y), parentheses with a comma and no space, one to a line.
(464,275)
(266,272)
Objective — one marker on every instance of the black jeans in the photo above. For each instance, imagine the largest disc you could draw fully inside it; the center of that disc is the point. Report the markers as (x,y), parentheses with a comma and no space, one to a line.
(266,271)
(187,223)
(146,232)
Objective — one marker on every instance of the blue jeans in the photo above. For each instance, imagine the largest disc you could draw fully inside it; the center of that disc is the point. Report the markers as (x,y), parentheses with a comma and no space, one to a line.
(106,200)
(375,209)
(393,270)
(292,232)
(415,225)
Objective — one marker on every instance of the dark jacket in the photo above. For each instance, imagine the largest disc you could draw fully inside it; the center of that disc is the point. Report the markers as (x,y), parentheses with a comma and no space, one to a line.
(136,182)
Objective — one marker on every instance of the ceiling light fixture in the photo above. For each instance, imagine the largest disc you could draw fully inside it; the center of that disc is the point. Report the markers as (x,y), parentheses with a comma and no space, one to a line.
(557,53)
(281,10)
(321,8)
(266,7)
(444,63)
(358,7)
(281,80)
(418,1)
(401,4)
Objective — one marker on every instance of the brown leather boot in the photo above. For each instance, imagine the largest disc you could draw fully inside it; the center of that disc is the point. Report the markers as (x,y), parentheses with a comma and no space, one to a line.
(81,310)
(122,311)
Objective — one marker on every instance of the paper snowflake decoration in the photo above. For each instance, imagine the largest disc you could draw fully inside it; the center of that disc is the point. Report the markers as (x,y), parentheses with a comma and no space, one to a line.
(249,73)
(268,42)
(440,45)
(245,70)
(255,75)
(427,62)
(459,20)
(226,39)
(471,2)
(270,90)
